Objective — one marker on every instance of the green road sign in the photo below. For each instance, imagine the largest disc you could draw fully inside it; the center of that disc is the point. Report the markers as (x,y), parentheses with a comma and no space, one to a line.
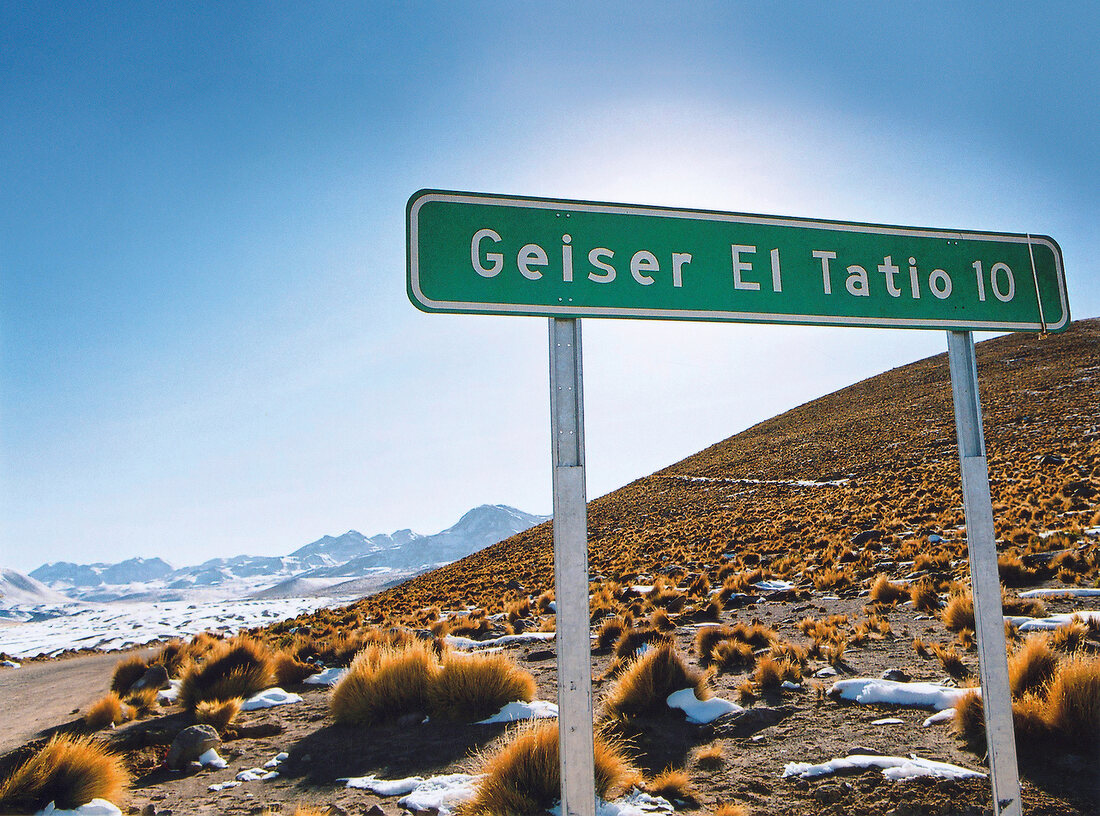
(493,254)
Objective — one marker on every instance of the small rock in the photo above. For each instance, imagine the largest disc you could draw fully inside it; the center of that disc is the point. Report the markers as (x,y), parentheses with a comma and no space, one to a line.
(375,811)
(539,654)
(828,794)
(862,749)
(149,810)
(156,676)
(513,584)
(896,675)
(191,743)
(1052,459)
(867,535)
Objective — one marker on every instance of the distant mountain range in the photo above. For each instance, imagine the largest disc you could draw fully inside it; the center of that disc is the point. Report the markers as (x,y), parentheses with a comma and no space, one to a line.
(348,565)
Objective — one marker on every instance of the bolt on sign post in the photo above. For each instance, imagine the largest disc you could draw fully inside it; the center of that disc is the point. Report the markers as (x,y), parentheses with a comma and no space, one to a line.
(474,253)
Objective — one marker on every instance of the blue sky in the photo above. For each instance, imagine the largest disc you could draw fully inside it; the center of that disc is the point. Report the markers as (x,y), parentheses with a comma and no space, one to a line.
(205,343)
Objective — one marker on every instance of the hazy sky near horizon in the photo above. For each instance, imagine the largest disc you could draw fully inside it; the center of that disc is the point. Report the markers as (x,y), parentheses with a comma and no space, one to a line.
(205,344)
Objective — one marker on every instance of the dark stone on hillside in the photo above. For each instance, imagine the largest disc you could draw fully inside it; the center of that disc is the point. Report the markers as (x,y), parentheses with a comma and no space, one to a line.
(156,676)
(540,654)
(896,675)
(1052,459)
(191,743)
(859,539)
(749,722)
(514,584)
(862,749)
(828,794)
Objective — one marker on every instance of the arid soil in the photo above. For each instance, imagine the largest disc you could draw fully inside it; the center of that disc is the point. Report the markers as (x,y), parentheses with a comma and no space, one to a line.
(828,496)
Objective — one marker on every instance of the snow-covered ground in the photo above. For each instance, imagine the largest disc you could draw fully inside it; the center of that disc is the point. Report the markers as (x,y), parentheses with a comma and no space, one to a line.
(52,630)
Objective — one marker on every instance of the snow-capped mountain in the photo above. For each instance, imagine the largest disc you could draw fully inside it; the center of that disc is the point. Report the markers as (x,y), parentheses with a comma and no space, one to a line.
(22,590)
(309,570)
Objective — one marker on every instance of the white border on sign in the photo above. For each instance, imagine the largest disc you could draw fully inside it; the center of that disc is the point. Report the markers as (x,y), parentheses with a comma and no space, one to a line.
(733,218)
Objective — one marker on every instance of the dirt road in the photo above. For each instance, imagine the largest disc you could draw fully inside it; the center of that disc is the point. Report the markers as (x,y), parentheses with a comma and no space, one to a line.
(42,695)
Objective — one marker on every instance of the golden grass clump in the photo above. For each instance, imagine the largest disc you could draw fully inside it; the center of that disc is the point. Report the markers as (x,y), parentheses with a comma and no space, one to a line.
(924,596)
(609,632)
(725,809)
(240,667)
(635,638)
(68,771)
(646,682)
(1073,703)
(473,687)
(959,612)
(951,660)
(1032,665)
(107,711)
(127,672)
(290,671)
(143,701)
(768,673)
(709,757)
(671,783)
(524,775)
(730,656)
(384,682)
(882,591)
(1061,714)
(219,714)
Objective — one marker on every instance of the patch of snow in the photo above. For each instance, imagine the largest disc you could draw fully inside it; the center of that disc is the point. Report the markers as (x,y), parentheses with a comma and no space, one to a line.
(635,803)
(894,768)
(1076,592)
(168,696)
(774,586)
(519,710)
(441,793)
(789,686)
(328,677)
(459,642)
(867,690)
(107,627)
(383,787)
(96,807)
(278,760)
(701,711)
(10,664)
(217,786)
(256,775)
(1026,624)
(269,698)
(940,716)
(888,721)
(211,759)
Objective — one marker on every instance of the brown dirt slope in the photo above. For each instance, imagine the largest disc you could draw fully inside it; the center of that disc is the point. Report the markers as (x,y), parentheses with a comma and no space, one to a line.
(889,439)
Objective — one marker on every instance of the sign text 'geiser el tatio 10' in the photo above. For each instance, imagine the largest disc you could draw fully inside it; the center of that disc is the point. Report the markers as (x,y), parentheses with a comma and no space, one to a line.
(493,254)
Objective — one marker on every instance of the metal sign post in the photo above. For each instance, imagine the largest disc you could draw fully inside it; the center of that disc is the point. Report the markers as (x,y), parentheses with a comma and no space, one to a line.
(984,579)
(575,738)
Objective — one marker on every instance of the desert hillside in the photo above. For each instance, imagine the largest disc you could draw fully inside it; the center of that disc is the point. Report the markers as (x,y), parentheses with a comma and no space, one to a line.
(877,456)
(781,623)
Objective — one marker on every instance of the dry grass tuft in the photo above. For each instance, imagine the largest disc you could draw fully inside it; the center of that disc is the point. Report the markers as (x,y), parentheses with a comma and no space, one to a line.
(218,713)
(671,783)
(473,687)
(709,757)
(384,682)
(524,776)
(1032,666)
(290,671)
(647,681)
(240,667)
(609,632)
(106,711)
(882,591)
(725,809)
(959,612)
(1073,704)
(951,660)
(69,771)
(924,596)
(127,672)
(768,673)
